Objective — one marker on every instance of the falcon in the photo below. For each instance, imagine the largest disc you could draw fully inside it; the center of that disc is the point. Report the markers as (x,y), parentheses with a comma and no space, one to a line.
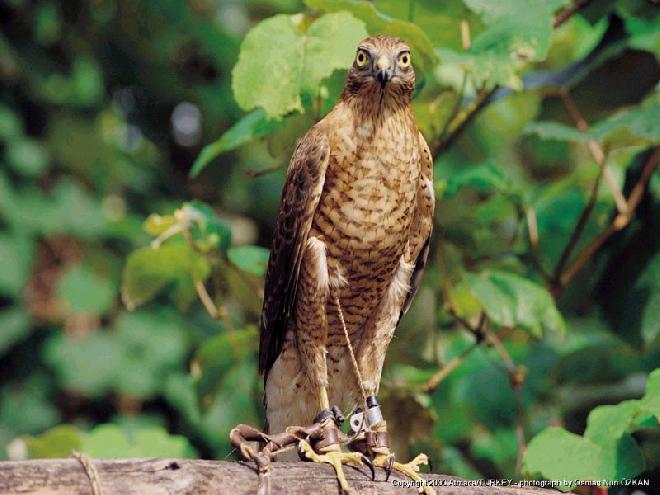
(349,248)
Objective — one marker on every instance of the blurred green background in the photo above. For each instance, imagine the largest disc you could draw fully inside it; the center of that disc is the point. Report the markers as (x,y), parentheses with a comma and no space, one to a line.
(130,288)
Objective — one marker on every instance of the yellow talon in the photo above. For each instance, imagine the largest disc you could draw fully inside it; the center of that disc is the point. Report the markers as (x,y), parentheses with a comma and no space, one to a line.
(335,458)
(410,469)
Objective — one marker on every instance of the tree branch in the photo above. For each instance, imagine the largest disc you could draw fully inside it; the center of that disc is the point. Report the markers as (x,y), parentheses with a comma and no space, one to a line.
(575,235)
(444,372)
(517,380)
(456,125)
(184,476)
(568,12)
(595,149)
(619,222)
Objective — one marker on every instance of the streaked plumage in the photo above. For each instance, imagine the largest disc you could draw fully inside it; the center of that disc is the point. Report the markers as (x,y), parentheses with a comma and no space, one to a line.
(354,222)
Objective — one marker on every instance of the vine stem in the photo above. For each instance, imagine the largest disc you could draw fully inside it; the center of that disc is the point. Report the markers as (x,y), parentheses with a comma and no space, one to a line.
(575,235)
(517,380)
(444,372)
(204,296)
(595,149)
(568,12)
(619,222)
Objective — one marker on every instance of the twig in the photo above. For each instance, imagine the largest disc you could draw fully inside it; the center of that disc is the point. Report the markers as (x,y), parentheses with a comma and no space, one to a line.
(206,298)
(595,149)
(455,109)
(483,97)
(456,125)
(466,40)
(534,242)
(517,380)
(90,471)
(253,174)
(444,372)
(517,384)
(568,12)
(575,235)
(619,222)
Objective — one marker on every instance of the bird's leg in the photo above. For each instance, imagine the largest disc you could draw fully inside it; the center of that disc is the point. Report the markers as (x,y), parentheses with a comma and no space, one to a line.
(370,429)
(324,445)
(311,335)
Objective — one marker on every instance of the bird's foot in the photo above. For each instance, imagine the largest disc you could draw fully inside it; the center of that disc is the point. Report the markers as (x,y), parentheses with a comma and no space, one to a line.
(409,469)
(269,445)
(330,453)
(369,432)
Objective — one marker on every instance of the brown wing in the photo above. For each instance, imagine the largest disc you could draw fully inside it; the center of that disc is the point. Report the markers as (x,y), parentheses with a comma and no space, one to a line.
(422,224)
(300,197)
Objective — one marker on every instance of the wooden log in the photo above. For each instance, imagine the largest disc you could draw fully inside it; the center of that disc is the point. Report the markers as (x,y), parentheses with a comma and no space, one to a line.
(200,477)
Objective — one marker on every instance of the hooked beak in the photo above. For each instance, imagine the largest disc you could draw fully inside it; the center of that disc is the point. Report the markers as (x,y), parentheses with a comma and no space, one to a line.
(382,76)
(383,70)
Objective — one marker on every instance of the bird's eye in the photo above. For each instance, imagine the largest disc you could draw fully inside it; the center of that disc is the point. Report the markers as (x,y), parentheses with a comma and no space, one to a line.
(361,58)
(404,59)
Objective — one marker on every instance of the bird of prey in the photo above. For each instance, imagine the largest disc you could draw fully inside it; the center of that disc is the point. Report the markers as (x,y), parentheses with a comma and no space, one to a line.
(350,244)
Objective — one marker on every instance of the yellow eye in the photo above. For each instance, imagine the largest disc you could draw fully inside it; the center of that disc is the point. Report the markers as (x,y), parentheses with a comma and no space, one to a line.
(404,59)
(361,58)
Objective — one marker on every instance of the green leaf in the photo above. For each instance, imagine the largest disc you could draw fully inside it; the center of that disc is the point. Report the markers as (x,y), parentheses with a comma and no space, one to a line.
(556,454)
(59,441)
(87,81)
(494,12)
(82,290)
(211,228)
(111,441)
(510,300)
(14,326)
(651,318)
(330,44)
(47,23)
(252,126)
(153,346)
(463,300)
(217,356)
(606,424)
(423,56)
(16,252)
(485,67)
(25,406)
(556,131)
(87,365)
(644,34)
(27,157)
(250,259)
(651,399)
(76,211)
(640,122)
(11,126)
(518,32)
(611,453)
(439,20)
(156,224)
(278,61)
(148,271)
(484,177)
(269,66)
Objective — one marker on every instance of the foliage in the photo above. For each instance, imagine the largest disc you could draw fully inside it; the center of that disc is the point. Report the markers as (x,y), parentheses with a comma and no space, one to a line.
(136,210)
(607,451)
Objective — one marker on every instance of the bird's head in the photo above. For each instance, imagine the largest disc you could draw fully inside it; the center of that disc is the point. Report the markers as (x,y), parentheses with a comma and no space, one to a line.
(382,65)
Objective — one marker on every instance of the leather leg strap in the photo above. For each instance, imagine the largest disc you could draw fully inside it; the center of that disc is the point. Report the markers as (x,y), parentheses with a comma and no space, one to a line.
(377,440)
(327,437)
